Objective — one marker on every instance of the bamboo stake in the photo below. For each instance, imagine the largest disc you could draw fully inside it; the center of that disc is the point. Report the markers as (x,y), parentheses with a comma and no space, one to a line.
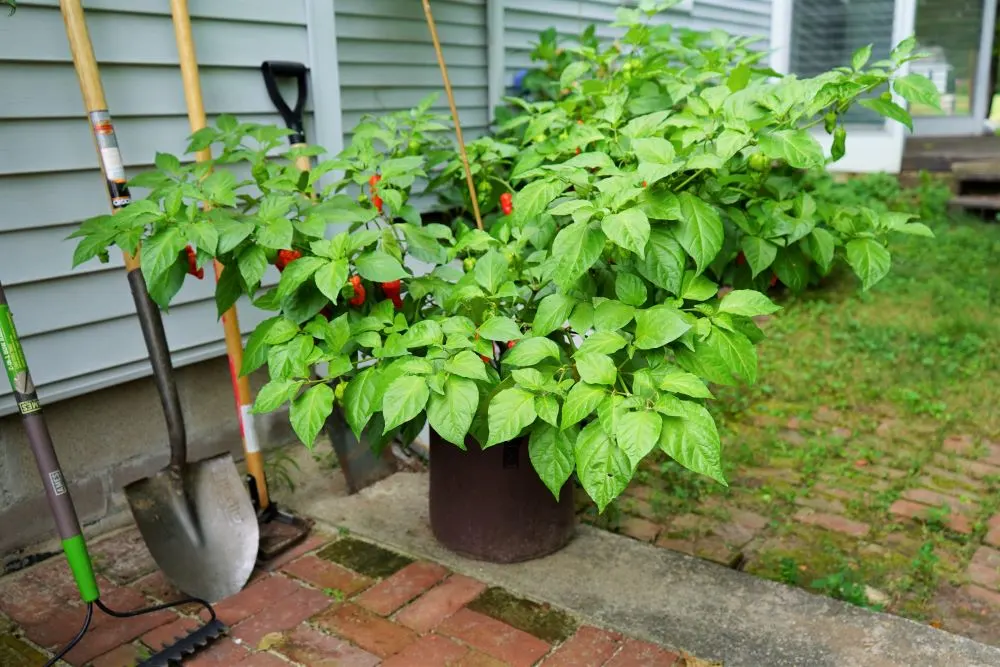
(454,111)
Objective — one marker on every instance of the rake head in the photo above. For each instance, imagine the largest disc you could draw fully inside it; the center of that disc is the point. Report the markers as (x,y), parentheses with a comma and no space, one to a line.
(185,646)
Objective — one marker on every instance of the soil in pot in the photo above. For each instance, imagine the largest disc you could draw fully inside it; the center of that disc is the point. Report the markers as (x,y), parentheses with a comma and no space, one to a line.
(491,505)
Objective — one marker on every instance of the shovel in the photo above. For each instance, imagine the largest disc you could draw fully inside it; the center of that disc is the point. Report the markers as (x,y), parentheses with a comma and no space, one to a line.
(279,530)
(361,465)
(196,518)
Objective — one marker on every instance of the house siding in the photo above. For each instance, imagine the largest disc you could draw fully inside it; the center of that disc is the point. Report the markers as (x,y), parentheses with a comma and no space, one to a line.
(387,61)
(526,18)
(78,325)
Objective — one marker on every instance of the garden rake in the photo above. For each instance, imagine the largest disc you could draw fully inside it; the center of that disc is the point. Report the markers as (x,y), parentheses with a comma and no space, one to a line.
(64,512)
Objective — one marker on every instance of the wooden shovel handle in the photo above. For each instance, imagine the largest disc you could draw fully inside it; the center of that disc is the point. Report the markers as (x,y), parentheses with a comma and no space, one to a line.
(230,319)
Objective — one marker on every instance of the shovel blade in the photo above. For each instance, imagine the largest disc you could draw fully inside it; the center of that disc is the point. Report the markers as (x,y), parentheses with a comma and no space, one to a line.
(199,525)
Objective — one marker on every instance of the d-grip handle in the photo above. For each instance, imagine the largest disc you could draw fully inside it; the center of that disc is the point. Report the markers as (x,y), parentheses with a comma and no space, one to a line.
(274,69)
(56,490)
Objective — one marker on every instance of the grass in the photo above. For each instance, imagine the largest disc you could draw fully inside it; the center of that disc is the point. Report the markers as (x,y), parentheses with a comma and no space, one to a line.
(857,391)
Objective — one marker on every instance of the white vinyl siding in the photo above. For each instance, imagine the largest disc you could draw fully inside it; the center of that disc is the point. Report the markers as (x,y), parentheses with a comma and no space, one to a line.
(78,325)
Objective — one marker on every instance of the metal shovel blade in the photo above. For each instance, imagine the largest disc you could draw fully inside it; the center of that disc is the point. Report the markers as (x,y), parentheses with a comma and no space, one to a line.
(199,525)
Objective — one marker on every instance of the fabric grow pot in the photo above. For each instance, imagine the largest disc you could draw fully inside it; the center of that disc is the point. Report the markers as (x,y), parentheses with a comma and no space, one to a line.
(361,465)
(491,505)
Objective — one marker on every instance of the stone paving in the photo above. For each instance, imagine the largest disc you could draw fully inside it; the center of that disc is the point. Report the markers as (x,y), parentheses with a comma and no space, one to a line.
(872,503)
(332,601)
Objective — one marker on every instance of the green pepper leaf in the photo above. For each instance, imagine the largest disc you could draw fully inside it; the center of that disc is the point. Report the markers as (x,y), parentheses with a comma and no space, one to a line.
(551,453)
(403,400)
(451,414)
(310,411)
(510,412)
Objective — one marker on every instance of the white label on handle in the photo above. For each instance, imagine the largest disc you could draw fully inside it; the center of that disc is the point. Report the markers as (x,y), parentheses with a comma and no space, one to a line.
(249,430)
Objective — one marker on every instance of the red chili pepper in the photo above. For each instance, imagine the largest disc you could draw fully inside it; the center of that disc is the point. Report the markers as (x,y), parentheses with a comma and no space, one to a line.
(741,259)
(644,184)
(373,182)
(774,279)
(327,312)
(485,359)
(286,257)
(511,344)
(391,290)
(577,150)
(192,258)
(359,291)
(507,203)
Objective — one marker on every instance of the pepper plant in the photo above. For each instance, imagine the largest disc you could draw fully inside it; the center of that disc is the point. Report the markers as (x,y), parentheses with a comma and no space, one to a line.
(738,136)
(582,316)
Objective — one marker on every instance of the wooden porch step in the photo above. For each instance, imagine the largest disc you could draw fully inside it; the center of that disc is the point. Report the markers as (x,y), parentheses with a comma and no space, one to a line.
(976,202)
(980,171)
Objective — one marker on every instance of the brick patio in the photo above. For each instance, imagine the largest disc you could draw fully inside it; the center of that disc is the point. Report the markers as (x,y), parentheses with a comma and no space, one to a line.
(333,601)
(874,499)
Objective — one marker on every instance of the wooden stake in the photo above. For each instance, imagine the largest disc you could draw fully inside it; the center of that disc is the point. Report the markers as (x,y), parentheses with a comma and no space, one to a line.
(230,319)
(454,111)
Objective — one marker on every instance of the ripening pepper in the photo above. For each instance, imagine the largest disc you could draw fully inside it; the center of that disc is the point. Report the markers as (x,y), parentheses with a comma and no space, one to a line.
(391,290)
(506,203)
(359,291)
(286,257)
(192,258)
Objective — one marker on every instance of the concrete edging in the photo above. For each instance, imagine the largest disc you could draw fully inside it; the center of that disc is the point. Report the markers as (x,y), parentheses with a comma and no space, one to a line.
(679,601)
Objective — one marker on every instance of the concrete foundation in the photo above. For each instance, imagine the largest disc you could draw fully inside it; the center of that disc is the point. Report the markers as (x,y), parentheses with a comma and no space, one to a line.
(112,437)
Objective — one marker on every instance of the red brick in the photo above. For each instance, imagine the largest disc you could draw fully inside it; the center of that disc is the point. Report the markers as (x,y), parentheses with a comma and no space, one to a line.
(984,568)
(428,651)
(993,537)
(912,510)
(284,614)
(26,600)
(169,633)
(316,649)
(976,469)
(589,647)
(477,659)
(437,604)
(366,630)
(311,543)
(108,633)
(640,529)
(222,652)
(637,653)
(390,594)
(826,415)
(123,557)
(123,656)
(255,597)
(982,594)
(324,574)
(683,546)
(821,504)
(833,522)
(494,638)
(963,445)
(57,628)
(934,499)
(262,660)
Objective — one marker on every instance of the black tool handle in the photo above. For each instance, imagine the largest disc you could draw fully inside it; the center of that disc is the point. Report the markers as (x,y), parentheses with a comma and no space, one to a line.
(151,324)
(28,405)
(272,71)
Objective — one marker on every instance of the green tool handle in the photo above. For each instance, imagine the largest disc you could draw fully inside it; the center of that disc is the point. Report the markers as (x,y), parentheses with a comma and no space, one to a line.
(56,490)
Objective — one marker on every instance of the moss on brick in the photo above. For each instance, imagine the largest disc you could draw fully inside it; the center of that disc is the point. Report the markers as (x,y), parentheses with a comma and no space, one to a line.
(365,558)
(14,652)
(539,620)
